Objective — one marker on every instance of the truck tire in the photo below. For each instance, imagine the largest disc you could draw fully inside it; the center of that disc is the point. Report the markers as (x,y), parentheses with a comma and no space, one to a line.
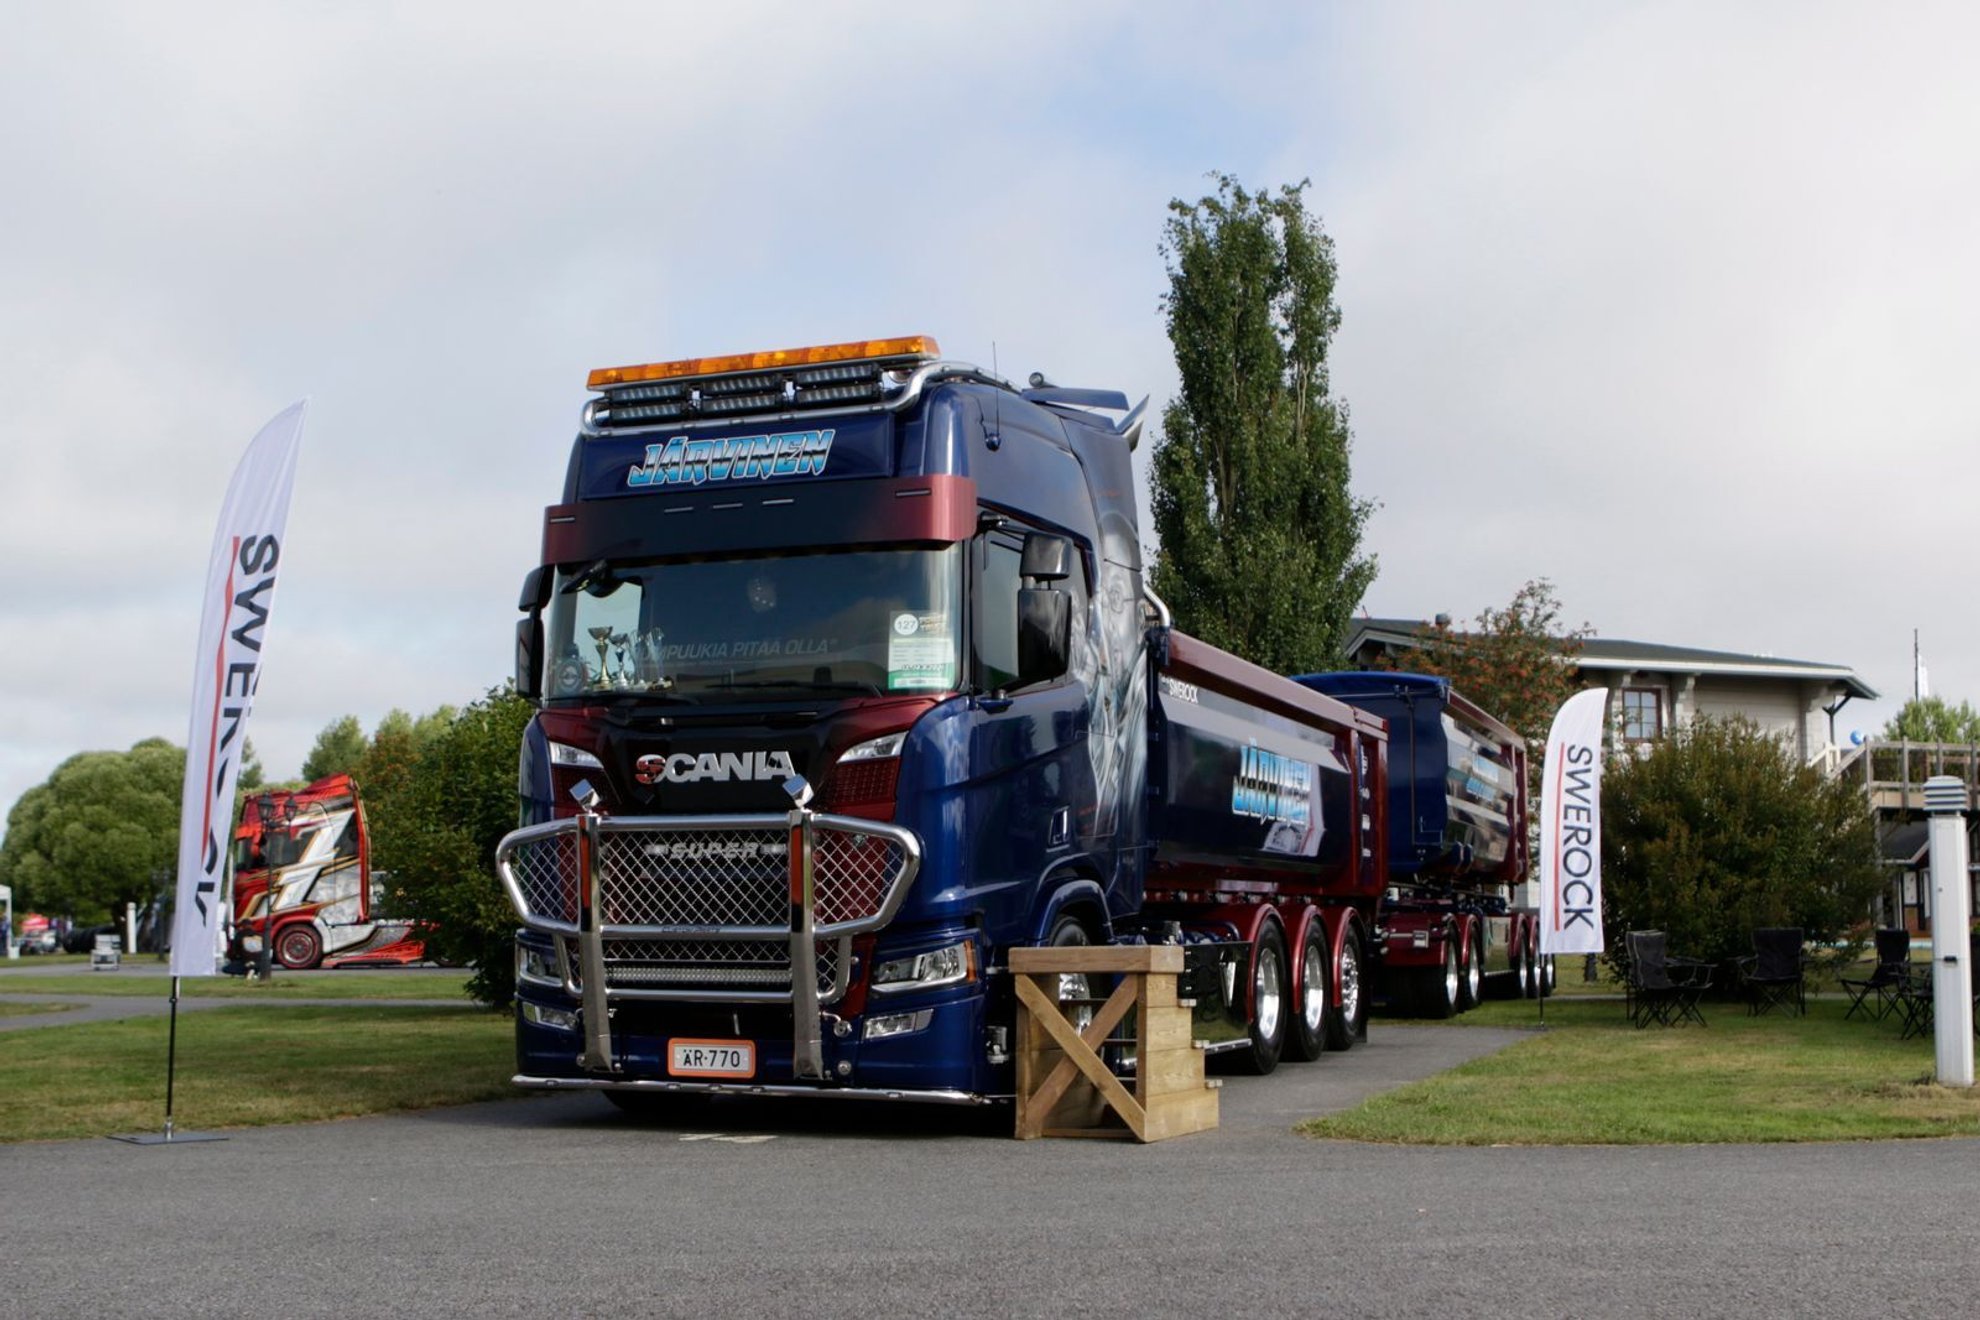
(1529,969)
(1349,1020)
(297,948)
(1471,986)
(1269,1002)
(1544,975)
(1306,1031)
(1073,985)
(1436,988)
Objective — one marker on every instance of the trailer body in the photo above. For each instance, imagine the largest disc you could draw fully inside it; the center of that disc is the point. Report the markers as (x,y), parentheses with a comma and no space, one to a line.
(1458,845)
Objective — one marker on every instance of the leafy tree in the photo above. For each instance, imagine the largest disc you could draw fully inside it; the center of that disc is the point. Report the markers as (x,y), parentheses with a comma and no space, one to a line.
(435,820)
(1934,720)
(1260,533)
(1720,829)
(93,835)
(251,775)
(1516,662)
(338,749)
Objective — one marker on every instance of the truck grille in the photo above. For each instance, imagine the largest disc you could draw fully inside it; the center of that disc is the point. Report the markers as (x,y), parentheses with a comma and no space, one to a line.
(702,904)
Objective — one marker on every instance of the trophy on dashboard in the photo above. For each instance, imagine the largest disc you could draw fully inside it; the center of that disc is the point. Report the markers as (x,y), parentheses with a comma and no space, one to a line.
(602,635)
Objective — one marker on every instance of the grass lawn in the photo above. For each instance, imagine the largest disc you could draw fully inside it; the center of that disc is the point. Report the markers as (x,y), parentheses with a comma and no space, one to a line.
(1591,1078)
(242,1066)
(365,983)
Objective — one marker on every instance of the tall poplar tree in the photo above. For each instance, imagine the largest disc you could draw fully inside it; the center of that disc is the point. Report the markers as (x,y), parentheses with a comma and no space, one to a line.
(1261,535)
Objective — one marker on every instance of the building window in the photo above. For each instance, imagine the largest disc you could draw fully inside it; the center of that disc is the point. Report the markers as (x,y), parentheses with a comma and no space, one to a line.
(1642,714)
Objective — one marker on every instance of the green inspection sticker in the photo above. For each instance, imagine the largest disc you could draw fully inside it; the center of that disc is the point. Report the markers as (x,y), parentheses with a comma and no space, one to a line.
(921,652)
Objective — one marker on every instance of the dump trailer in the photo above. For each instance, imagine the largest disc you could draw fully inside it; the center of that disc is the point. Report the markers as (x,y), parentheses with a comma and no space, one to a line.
(847,684)
(1458,847)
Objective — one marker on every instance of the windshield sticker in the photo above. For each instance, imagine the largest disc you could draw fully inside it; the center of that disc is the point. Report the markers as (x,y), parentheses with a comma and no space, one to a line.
(921,652)
(684,462)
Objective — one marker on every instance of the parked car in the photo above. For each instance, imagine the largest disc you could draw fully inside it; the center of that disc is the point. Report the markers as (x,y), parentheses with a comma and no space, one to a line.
(40,941)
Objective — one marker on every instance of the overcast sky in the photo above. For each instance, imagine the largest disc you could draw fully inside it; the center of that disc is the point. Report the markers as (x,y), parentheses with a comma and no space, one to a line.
(1675,305)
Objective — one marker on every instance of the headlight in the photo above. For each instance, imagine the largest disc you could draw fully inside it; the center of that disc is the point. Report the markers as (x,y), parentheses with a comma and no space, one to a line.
(897,1024)
(925,971)
(536,966)
(877,749)
(574,757)
(561,1019)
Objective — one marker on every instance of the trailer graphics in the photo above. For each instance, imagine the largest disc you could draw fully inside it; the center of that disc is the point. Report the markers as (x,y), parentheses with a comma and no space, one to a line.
(815,749)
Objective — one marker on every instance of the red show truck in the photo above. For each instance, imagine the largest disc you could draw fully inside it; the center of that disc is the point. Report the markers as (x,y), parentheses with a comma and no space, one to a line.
(312,844)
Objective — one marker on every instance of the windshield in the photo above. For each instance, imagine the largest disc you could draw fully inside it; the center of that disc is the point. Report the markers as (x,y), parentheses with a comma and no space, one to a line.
(869,621)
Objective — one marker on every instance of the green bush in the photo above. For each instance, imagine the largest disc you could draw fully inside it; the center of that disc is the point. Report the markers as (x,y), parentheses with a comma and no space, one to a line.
(1720,830)
(437,809)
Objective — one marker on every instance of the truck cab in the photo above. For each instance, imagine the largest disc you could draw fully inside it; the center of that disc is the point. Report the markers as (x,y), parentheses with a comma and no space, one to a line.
(841,678)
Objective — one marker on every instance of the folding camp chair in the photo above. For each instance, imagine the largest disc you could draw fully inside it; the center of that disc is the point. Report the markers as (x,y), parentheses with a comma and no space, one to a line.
(1876,994)
(1775,975)
(1914,1002)
(1661,988)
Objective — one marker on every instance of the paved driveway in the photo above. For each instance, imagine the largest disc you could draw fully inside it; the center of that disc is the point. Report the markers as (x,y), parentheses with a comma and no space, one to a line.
(555,1206)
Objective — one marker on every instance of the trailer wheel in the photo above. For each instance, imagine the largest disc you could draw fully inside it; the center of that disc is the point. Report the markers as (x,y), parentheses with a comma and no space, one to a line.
(1268,1002)
(1522,970)
(1545,976)
(1471,989)
(1349,1020)
(1436,988)
(297,948)
(1529,968)
(1307,1037)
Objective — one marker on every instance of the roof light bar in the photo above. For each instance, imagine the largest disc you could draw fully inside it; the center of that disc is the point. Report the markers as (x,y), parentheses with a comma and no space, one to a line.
(911,346)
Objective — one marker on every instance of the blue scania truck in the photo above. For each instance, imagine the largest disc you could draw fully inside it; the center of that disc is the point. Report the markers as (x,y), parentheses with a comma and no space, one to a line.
(847,683)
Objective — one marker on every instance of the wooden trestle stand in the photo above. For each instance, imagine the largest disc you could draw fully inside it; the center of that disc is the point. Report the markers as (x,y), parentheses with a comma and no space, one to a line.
(1064,1087)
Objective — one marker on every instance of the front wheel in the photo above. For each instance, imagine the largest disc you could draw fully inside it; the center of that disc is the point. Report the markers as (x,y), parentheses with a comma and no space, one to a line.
(1073,986)
(1268,1002)
(297,948)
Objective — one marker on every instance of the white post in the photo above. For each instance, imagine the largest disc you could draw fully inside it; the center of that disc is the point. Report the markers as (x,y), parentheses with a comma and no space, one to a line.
(1952,979)
(130,928)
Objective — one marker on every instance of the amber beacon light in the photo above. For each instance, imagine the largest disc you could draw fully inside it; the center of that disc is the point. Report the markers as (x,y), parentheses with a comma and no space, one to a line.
(909,346)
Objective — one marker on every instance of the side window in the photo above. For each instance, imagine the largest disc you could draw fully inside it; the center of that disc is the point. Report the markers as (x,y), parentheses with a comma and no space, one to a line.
(996,640)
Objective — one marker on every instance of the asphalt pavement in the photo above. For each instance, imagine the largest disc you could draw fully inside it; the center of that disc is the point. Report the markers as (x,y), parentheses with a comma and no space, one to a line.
(558,1205)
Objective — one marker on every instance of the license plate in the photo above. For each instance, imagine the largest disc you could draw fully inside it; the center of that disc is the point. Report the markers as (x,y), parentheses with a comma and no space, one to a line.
(711,1058)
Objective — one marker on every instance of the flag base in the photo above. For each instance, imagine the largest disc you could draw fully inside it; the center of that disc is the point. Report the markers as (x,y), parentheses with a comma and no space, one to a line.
(169,1138)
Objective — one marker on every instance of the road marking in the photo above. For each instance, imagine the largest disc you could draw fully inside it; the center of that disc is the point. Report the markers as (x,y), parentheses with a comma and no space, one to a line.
(718,1136)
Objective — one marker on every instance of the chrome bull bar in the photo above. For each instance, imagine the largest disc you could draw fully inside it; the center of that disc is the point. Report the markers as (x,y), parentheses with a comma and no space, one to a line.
(630,891)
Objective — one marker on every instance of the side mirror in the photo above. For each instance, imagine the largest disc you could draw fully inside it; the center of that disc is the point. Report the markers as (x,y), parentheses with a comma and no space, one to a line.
(1046,558)
(535,588)
(529,656)
(1044,633)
